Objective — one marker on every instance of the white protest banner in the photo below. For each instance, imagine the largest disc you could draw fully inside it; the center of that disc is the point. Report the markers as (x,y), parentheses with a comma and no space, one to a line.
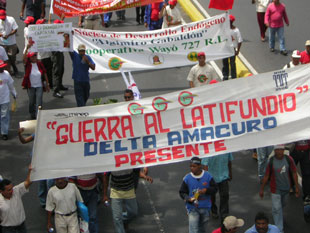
(50,37)
(158,49)
(239,114)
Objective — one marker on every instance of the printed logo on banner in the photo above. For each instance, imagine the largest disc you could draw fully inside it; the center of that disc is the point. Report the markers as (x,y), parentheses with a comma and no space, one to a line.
(280,79)
(71,114)
(135,109)
(192,56)
(115,63)
(160,104)
(186,98)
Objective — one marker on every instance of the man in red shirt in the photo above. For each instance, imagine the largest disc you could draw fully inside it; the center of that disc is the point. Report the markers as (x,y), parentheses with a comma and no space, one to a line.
(305,55)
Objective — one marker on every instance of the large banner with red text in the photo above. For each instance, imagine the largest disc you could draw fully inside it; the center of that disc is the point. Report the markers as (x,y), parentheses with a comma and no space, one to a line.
(261,110)
(157,49)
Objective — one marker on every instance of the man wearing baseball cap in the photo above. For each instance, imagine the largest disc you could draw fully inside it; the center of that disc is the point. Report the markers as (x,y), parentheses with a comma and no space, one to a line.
(305,55)
(295,60)
(171,14)
(230,225)
(8,29)
(201,73)
(80,74)
(196,190)
(281,171)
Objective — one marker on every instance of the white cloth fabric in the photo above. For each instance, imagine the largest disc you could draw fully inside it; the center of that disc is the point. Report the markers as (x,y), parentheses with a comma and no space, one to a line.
(35,76)
(63,201)
(261,5)
(26,38)
(236,37)
(3,54)
(202,75)
(291,65)
(6,27)
(67,224)
(43,55)
(12,211)
(171,15)
(6,87)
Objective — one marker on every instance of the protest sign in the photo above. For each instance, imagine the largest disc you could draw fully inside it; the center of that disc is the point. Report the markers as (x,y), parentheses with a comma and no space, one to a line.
(50,37)
(73,8)
(234,115)
(158,49)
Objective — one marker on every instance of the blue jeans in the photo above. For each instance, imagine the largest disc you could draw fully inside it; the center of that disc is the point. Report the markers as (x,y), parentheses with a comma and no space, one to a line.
(117,212)
(35,100)
(262,159)
(44,186)
(272,35)
(198,219)
(81,91)
(90,198)
(107,17)
(4,118)
(278,202)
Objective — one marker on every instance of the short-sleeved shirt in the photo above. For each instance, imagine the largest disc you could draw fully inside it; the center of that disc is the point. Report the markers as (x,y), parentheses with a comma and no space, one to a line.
(271,229)
(202,75)
(236,37)
(218,166)
(63,201)
(172,15)
(12,211)
(6,27)
(3,55)
(6,87)
(80,68)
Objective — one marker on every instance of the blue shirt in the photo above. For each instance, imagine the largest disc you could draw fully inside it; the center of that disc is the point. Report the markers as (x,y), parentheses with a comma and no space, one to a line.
(271,229)
(80,68)
(218,166)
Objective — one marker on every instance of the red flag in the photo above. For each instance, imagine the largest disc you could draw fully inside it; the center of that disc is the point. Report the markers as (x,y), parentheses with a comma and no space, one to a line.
(221,4)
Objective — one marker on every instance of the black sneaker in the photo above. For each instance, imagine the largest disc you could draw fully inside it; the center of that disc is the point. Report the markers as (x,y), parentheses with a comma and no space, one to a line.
(63,88)
(5,137)
(272,50)
(284,52)
(58,95)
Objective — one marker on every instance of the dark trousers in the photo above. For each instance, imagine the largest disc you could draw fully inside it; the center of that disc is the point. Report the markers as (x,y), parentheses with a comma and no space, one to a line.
(90,198)
(81,91)
(58,61)
(225,70)
(140,14)
(47,62)
(16,229)
(224,199)
(303,158)
(261,23)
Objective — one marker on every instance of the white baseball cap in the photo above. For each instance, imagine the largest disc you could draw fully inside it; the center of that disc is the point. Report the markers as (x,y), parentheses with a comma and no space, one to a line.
(232,222)
(296,54)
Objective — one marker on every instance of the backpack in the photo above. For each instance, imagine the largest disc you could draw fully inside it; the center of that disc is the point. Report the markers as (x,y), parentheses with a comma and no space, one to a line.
(290,169)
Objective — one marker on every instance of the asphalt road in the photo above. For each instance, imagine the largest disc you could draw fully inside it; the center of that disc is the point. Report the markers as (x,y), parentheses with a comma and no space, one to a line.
(160,207)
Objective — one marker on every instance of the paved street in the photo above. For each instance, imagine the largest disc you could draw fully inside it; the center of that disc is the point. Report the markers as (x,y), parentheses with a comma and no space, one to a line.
(160,207)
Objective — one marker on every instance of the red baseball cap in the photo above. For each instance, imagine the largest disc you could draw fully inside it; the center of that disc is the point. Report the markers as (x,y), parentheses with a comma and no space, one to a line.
(2,64)
(173,2)
(2,14)
(40,21)
(31,54)
(57,21)
(213,81)
(29,20)
(201,54)
(232,18)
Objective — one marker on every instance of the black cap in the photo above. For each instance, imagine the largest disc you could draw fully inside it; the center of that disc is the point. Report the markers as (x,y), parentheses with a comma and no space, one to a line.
(196,160)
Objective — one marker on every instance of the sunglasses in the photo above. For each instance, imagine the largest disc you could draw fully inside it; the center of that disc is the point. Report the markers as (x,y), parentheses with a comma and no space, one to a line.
(127,97)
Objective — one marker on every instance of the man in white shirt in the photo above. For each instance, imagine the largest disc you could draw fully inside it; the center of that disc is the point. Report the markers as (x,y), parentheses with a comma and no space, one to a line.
(295,60)
(8,29)
(171,14)
(62,199)
(6,87)
(202,73)
(12,213)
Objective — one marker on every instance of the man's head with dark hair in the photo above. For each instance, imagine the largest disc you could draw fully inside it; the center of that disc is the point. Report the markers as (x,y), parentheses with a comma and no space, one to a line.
(261,222)
(128,95)
(6,188)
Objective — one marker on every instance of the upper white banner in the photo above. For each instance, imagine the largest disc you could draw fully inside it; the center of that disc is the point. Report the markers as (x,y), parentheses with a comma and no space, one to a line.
(229,116)
(158,49)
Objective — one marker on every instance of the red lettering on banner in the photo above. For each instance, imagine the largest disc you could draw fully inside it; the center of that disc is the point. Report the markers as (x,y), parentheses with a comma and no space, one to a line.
(229,112)
(293,100)
(192,149)
(185,126)
(210,109)
(99,131)
(269,99)
(222,113)
(256,107)
(87,131)
(198,117)
(249,115)
(219,146)
(121,159)
(206,147)
(61,139)
(71,133)
(160,124)
(150,156)
(152,124)
(127,127)
(162,155)
(177,152)
(280,103)
(136,157)
(113,130)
